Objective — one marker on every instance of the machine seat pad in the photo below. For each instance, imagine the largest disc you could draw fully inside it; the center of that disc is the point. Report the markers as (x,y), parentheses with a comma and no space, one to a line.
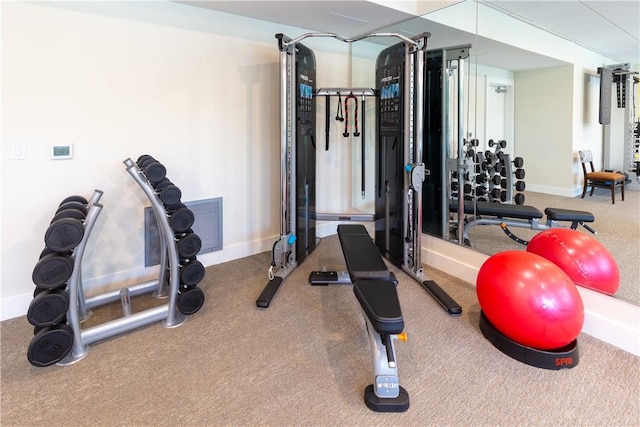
(379,300)
(568,215)
(361,255)
(500,210)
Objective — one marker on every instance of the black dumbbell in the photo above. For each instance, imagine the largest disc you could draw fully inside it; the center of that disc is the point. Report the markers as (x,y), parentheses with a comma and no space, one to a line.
(77,206)
(519,173)
(167,192)
(50,345)
(191,272)
(69,213)
(520,186)
(518,162)
(64,234)
(153,170)
(188,244)
(190,299)
(49,307)
(181,218)
(52,270)
(519,199)
(66,229)
(143,158)
(75,198)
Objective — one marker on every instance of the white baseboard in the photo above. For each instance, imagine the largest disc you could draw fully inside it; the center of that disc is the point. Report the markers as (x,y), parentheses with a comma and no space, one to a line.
(555,191)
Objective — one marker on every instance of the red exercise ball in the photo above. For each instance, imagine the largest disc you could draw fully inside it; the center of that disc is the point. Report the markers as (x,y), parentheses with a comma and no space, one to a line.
(582,257)
(530,300)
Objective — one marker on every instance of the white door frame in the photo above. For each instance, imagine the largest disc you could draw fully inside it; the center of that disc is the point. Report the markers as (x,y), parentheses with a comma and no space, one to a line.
(491,82)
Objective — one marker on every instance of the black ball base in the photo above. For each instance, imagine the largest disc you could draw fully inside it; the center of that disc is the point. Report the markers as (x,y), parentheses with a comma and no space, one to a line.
(562,358)
(379,404)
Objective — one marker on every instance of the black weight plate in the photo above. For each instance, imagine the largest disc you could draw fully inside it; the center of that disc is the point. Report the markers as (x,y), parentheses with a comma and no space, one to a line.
(192,273)
(73,205)
(64,234)
(48,308)
(74,198)
(190,300)
(188,245)
(52,270)
(50,345)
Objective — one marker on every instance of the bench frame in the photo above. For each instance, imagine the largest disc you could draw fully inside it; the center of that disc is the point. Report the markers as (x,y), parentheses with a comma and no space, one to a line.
(520,216)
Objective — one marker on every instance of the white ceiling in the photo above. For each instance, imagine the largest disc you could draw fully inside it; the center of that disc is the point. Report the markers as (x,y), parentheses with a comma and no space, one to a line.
(611,28)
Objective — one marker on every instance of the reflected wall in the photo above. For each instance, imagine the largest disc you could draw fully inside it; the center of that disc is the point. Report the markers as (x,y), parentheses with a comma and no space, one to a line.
(522,85)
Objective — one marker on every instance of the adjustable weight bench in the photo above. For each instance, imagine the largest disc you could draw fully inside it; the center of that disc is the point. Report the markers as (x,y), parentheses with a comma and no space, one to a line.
(375,289)
(522,216)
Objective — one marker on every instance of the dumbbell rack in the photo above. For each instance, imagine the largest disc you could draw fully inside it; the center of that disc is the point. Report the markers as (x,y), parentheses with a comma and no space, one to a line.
(61,340)
(500,175)
(166,313)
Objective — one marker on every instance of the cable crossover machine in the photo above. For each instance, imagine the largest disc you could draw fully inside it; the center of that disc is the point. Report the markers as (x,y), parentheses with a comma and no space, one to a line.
(399,174)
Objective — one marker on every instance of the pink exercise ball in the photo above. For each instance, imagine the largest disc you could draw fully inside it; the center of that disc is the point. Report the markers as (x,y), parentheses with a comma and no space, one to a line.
(587,262)
(530,300)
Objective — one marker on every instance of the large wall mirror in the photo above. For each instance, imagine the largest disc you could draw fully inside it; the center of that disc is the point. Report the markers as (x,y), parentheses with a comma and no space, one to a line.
(523,86)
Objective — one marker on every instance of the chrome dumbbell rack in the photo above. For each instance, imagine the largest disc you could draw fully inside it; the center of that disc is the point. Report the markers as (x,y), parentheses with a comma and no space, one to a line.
(164,287)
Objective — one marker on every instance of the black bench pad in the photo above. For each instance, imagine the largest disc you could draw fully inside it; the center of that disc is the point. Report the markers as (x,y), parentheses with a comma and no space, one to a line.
(499,210)
(568,215)
(360,254)
(379,300)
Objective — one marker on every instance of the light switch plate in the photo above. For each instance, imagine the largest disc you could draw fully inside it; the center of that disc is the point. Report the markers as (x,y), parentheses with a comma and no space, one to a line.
(19,151)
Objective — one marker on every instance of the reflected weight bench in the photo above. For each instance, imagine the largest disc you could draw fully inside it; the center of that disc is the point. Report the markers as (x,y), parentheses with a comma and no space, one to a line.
(522,216)
(375,289)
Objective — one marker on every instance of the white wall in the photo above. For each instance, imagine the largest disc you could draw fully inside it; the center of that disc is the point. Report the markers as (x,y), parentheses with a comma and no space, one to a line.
(543,134)
(180,83)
